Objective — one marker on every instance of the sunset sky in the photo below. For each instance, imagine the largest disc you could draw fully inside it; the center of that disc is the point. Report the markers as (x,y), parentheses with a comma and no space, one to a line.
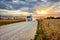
(18,7)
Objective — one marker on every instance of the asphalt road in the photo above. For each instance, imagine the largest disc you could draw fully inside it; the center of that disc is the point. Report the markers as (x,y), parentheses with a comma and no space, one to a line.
(18,31)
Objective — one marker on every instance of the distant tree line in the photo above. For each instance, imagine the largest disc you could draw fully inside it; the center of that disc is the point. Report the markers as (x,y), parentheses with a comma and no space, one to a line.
(53,17)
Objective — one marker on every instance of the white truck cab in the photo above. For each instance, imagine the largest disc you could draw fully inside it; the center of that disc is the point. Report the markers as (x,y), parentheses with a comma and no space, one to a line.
(29,18)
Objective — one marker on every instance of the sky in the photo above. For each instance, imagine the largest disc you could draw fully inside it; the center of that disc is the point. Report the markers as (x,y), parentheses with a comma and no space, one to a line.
(30,6)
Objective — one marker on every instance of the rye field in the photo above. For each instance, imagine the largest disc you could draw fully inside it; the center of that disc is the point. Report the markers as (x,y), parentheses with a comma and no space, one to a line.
(5,22)
(48,29)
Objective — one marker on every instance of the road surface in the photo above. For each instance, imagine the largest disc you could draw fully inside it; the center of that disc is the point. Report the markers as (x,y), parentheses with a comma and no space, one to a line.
(18,31)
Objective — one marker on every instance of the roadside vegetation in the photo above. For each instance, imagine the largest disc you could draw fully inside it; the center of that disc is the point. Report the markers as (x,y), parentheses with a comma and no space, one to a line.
(48,29)
(10,21)
(39,33)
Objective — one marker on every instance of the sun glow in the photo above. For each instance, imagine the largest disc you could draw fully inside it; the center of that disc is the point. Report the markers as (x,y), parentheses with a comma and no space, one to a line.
(41,12)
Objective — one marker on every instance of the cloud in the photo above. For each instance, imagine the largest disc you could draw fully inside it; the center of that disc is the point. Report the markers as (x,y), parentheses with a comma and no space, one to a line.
(53,0)
(16,1)
(26,5)
(24,8)
(27,9)
(56,7)
(22,2)
(31,0)
(7,0)
(44,0)
(4,12)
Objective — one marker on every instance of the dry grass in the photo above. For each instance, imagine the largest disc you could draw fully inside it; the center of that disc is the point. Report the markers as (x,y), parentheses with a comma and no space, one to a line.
(5,22)
(49,29)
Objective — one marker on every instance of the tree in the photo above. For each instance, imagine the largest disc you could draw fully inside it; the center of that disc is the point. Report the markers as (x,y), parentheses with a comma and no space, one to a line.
(57,17)
(50,17)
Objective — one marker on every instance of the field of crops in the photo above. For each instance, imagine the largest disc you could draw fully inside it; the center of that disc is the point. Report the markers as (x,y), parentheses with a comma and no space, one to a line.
(5,22)
(48,29)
